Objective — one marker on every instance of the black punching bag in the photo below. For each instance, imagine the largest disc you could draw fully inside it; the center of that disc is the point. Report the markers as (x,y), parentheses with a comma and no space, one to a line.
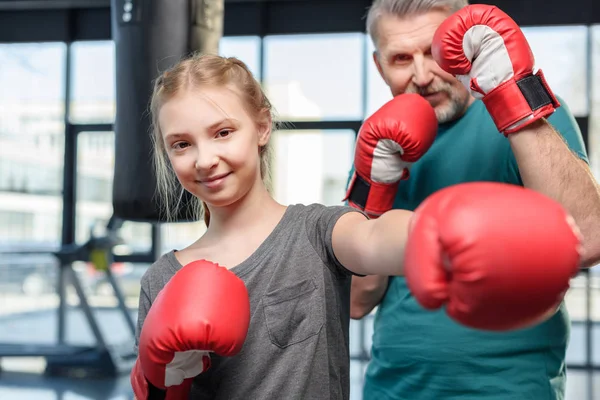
(149,37)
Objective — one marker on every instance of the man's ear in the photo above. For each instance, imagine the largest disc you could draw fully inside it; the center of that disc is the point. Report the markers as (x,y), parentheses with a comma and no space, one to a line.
(264,128)
(378,65)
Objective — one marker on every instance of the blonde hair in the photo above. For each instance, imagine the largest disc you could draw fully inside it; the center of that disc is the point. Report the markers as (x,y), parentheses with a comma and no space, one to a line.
(194,72)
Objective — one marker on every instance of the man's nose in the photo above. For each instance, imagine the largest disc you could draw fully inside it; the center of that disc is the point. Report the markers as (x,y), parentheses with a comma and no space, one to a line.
(422,70)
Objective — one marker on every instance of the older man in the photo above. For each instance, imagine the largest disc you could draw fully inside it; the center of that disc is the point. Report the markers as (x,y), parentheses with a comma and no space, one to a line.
(500,128)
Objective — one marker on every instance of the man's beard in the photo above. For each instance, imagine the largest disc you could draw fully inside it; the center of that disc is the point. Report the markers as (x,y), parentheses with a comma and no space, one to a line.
(448,111)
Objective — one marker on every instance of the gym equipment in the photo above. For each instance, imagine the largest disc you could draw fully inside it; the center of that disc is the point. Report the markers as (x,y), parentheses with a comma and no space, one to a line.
(101,359)
(207,25)
(149,37)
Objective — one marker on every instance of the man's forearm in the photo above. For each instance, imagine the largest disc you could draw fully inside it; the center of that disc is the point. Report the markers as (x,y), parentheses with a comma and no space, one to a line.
(547,165)
(366,293)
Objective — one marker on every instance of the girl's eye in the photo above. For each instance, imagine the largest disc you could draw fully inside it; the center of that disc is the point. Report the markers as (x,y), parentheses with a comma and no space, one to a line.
(179,145)
(224,133)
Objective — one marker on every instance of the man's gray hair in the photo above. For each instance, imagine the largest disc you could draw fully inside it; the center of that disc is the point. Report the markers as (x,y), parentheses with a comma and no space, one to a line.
(404,8)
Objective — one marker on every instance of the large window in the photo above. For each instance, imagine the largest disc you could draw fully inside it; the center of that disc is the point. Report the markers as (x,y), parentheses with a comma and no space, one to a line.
(32,81)
(95,166)
(92,82)
(306,82)
(312,166)
(93,102)
(31,143)
(246,48)
(561,53)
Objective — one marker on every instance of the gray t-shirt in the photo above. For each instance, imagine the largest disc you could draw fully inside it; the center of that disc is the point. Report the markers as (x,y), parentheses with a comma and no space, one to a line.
(297,344)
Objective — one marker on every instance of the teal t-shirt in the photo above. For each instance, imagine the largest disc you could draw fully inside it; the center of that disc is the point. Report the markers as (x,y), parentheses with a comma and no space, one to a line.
(424,355)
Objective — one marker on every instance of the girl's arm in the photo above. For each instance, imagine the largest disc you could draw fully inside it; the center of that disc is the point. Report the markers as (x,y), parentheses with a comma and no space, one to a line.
(372,247)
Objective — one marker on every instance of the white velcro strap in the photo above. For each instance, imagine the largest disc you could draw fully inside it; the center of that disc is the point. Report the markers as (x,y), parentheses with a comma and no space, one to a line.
(185,364)
(387,166)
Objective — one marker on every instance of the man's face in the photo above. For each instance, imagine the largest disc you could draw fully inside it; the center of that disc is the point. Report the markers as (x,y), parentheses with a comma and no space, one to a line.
(405,63)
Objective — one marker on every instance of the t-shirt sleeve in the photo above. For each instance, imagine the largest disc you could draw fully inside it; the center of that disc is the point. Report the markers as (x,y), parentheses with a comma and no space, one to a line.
(143,306)
(319,226)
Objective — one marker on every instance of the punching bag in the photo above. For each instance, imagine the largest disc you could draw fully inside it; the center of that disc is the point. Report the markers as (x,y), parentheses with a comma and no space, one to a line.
(207,25)
(149,37)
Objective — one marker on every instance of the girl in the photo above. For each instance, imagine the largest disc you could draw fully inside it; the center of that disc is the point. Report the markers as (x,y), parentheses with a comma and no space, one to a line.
(212,125)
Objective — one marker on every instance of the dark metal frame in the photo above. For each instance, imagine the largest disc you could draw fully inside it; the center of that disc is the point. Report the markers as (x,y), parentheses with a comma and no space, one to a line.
(74,20)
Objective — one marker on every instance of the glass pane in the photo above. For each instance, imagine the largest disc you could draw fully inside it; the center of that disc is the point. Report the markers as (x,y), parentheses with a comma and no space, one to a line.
(31,144)
(312,166)
(95,169)
(246,48)
(95,166)
(577,303)
(27,283)
(378,93)
(561,53)
(595,295)
(93,82)
(31,169)
(304,81)
(582,385)
(576,298)
(357,378)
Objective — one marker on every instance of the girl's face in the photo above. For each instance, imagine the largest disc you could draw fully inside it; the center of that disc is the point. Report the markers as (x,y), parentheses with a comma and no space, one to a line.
(213,144)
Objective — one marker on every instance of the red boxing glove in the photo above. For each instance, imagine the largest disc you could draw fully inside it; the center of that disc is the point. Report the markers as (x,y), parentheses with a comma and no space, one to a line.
(500,257)
(204,308)
(143,391)
(389,141)
(485,49)
(138,381)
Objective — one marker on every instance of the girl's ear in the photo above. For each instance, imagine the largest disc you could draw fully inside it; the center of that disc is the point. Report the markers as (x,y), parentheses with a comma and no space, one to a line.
(264,128)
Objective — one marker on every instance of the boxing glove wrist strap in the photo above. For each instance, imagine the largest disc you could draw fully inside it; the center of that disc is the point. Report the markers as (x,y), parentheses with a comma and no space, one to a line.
(515,104)
(155,393)
(373,198)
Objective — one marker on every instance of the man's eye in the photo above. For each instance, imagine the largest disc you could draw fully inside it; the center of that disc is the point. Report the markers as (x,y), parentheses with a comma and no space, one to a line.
(402,58)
